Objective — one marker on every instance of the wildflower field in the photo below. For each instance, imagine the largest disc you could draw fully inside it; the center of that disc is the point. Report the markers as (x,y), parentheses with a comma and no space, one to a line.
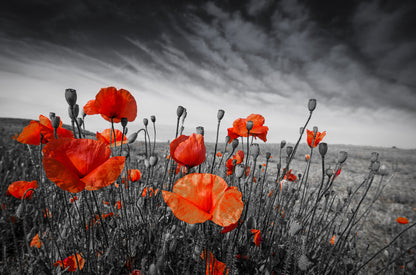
(117,202)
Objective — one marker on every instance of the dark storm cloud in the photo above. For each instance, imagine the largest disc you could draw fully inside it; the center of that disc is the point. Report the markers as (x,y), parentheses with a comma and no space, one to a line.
(344,54)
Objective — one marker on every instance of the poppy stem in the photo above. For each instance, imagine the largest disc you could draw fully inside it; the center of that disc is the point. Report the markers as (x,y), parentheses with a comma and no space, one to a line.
(248,149)
(101,220)
(215,147)
(154,137)
(177,126)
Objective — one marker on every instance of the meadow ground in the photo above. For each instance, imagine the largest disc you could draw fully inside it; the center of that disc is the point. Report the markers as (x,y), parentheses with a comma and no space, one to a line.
(396,193)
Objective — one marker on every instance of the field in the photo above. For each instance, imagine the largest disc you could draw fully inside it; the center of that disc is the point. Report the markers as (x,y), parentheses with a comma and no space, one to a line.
(122,230)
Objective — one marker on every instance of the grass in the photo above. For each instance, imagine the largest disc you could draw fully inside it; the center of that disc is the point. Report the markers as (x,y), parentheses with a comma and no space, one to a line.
(359,208)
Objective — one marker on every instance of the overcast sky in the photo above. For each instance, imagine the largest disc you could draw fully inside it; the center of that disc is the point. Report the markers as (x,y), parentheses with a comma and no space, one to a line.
(358,59)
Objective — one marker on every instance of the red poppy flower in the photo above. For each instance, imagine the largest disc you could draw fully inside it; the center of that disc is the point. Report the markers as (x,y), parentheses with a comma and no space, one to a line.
(257,237)
(197,198)
(107,135)
(402,220)
(114,104)
(292,177)
(239,128)
(31,133)
(71,262)
(219,154)
(134,174)
(239,157)
(188,150)
(18,188)
(214,267)
(333,240)
(307,156)
(318,138)
(78,164)
(36,241)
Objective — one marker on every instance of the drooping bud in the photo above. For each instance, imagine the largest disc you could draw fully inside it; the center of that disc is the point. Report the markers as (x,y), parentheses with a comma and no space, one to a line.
(239,170)
(153,160)
(200,130)
(249,125)
(374,156)
(255,150)
(268,155)
(234,144)
(342,156)
(282,144)
(132,138)
(227,139)
(55,121)
(312,104)
(251,223)
(323,148)
(124,121)
(220,114)
(289,150)
(71,96)
(179,111)
(153,119)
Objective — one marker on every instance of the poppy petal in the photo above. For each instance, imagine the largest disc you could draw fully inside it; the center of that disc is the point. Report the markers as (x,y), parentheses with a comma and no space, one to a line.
(30,134)
(105,174)
(188,150)
(111,103)
(18,188)
(184,209)
(90,109)
(228,208)
(260,132)
(62,176)
(258,120)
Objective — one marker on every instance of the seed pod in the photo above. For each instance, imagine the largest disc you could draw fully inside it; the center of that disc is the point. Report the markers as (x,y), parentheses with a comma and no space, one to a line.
(124,122)
(55,122)
(153,119)
(268,155)
(220,114)
(251,223)
(180,111)
(153,160)
(145,122)
(374,156)
(323,148)
(249,125)
(239,170)
(200,130)
(342,156)
(20,210)
(255,150)
(329,172)
(71,96)
(383,170)
(234,144)
(132,138)
(312,104)
(289,150)
(146,163)
(282,144)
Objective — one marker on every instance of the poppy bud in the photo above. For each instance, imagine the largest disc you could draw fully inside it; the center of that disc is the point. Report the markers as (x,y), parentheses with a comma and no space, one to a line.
(312,104)
(220,114)
(329,172)
(323,148)
(374,156)
(145,122)
(124,121)
(342,156)
(234,144)
(71,96)
(375,166)
(146,163)
(19,211)
(180,111)
(227,139)
(80,121)
(200,130)
(268,155)
(249,125)
(153,160)
(289,150)
(153,119)
(282,144)
(51,115)
(132,138)
(55,122)
(255,150)
(383,170)
(315,130)
(251,223)
(239,170)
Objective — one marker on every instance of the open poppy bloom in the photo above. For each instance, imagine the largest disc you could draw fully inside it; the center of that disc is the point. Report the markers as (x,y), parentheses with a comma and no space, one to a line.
(78,164)
(239,128)
(188,150)
(107,135)
(402,220)
(257,237)
(239,157)
(318,138)
(114,104)
(36,241)
(134,174)
(31,134)
(18,188)
(292,177)
(197,198)
(214,267)
(71,262)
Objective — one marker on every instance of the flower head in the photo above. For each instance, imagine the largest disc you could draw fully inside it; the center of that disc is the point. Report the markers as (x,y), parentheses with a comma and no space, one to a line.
(197,198)
(188,150)
(36,241)
(18,189)
(107,135)
(78,164)
(402,220)
(257,237)
(318,138)
(71,262)
(239,157)
(239,128)
(214,267)
(114,104)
